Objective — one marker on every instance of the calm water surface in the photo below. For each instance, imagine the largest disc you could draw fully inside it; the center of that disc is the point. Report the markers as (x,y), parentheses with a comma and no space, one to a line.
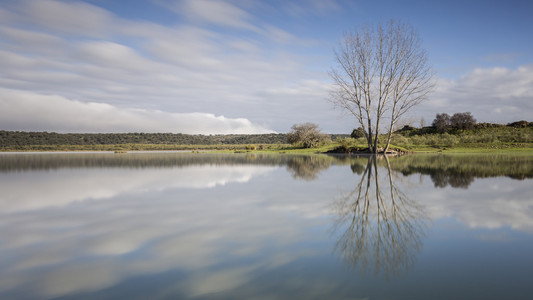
(206,226)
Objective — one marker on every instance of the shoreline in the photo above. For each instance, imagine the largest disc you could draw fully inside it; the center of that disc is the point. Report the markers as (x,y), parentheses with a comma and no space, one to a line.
(329,149)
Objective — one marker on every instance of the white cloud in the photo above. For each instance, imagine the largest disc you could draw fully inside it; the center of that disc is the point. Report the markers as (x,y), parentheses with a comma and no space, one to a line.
(158,69)
(26,38)
(498,95)
(70,17)
(21,110)
(217,57)
(215,12)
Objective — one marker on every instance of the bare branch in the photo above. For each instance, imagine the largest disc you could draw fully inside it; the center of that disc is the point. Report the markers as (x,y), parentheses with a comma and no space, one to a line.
(381,73)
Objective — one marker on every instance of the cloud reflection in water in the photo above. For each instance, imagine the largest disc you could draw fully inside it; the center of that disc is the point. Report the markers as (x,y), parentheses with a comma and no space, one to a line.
(223,225)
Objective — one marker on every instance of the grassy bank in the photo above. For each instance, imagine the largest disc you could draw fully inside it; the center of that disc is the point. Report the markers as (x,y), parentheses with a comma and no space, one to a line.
(277,148)
(482,139)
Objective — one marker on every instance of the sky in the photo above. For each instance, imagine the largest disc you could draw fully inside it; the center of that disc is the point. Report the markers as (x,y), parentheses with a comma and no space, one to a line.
(243,66)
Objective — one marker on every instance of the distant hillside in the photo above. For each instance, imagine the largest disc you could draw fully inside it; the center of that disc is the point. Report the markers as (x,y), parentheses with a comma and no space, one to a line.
(22,138)
(495,136)
(476,128)
(13,138)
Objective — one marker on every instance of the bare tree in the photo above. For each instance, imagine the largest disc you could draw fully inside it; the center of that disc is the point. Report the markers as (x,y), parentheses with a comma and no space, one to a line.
(307,135)
(422,122)
(381,73)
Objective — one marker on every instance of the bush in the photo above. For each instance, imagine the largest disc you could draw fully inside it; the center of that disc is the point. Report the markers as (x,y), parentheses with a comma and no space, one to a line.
(448,140)
(520,124)
(307,135)
(399,140)
(346,144)
(463,121)
(358,133)
(442,122)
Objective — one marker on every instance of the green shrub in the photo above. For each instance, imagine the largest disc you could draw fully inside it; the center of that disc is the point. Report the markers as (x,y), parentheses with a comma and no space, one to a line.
(399,140)
(345,144)
(448,140)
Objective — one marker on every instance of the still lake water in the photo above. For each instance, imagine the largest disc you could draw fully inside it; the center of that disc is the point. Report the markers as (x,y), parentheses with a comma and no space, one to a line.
(250,226)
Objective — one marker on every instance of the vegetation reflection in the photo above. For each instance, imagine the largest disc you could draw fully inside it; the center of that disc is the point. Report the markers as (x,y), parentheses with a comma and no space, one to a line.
(380,228)
(459,171)
(308,167)
(453,170)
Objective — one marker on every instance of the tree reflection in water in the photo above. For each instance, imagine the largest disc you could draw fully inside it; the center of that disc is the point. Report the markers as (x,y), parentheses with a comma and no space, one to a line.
(307,167)
(380,228)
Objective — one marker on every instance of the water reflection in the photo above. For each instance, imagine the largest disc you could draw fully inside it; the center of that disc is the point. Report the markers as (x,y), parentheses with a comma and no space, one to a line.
(235,226)
(381,228)
(452,170)
(459,171)
(308,167)
(302,165)
(22,191)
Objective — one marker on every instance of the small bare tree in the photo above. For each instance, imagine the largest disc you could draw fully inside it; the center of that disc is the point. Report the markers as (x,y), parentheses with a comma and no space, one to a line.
(307,135)
(381,73)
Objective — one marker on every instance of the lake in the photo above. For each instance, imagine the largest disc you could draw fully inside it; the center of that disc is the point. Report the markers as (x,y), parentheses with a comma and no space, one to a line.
(256,226)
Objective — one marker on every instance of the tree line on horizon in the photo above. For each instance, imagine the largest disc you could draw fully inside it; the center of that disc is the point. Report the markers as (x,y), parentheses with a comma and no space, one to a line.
(20,138)
(457,123)
(307,135)
(13,138)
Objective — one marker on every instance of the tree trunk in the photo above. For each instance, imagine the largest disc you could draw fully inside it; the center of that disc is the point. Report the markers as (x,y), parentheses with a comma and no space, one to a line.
(370,138)
(389,137)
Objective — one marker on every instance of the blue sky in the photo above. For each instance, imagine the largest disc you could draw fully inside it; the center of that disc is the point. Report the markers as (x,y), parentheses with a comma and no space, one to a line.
(210,67)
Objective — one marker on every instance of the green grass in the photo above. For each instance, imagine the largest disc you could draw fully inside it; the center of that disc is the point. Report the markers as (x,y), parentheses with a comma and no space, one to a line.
(474,150)
(280,148)
(500,139)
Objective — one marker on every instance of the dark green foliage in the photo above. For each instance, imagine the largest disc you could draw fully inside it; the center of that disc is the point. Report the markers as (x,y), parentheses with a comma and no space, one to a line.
(358,133)
(345,146)
(407,127)
(488,125)
(335,137)
(520,124)
(462,121)
(21,138)
(411,131)
(459,121)
(442,122)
